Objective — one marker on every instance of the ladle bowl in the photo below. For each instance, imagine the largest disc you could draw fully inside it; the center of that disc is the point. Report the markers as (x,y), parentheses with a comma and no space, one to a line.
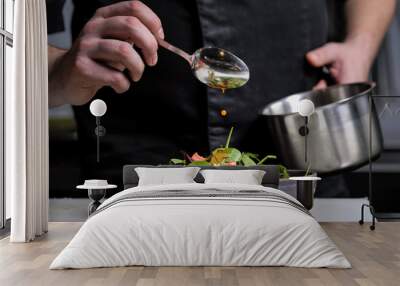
(215,67)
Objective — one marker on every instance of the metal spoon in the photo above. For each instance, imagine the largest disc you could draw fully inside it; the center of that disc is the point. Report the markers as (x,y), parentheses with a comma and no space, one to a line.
(214,67)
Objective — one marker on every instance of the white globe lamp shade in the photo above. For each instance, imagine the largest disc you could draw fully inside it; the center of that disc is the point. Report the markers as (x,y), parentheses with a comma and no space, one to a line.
(306,107)
(98,107)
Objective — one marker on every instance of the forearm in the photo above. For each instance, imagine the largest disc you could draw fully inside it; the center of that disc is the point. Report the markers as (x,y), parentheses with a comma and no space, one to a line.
(367,22)
(351,60)
(54,57)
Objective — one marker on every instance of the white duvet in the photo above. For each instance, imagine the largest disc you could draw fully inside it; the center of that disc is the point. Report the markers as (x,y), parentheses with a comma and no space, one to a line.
(200,231)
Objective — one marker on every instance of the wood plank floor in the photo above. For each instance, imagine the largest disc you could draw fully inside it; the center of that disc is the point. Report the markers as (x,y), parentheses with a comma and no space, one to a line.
(375,257)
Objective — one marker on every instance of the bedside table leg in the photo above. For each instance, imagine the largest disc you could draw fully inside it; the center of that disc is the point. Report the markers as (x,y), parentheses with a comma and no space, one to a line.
(96,196)
(93,207)
(305,193)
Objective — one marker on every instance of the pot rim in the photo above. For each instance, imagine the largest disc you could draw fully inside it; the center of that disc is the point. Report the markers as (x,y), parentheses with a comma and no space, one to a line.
(371,85)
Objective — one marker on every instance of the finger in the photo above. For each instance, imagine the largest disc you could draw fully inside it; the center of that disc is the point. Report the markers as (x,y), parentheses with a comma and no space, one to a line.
(115,65)
(119,52)
(334,72)
(118,66)
(132,30)
(135,9)
(324,55)
(320,85)
(103,76)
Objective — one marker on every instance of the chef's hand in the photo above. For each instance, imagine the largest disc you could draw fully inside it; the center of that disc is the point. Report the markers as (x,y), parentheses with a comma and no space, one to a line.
(348,61)
(102,51)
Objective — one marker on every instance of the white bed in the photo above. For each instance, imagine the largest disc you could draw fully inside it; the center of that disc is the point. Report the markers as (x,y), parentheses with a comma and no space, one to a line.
(185,230)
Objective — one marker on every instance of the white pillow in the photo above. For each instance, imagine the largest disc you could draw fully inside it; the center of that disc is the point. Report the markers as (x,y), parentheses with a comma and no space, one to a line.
(247,177)
(166,176)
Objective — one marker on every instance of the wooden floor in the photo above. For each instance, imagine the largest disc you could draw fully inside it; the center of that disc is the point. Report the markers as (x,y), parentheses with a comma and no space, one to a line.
(375,257)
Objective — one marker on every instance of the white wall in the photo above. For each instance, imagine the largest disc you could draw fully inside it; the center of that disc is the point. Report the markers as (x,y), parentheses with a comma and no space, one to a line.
(340,210)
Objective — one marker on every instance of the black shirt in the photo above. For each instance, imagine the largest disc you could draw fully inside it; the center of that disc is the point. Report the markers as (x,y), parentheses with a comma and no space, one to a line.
(169,110)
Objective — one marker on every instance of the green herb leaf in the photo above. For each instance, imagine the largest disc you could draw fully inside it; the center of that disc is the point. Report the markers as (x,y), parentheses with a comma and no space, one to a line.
(246,160)
(200,163)
(284,174)
(233,154)
(218,156)
(268,157)
(228,141)
(252,155)
(177,161)
(308,170)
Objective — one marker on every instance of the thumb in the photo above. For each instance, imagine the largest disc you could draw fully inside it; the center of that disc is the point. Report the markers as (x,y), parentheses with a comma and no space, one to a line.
(320,85)
(323,55)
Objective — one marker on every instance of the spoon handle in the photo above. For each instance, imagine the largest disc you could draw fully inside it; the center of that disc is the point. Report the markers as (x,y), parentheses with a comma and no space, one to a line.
(175,50)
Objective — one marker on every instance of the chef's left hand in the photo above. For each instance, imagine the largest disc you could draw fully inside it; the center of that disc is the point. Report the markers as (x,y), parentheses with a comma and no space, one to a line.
(348,61)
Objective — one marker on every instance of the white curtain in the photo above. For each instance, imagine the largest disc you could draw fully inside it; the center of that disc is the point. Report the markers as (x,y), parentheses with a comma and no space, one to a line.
(27,124)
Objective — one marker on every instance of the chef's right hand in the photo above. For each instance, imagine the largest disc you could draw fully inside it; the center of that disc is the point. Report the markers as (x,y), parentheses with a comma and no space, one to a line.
(102,51)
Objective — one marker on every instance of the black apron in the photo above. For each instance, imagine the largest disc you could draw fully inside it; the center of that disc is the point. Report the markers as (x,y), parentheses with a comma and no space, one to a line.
(169,111)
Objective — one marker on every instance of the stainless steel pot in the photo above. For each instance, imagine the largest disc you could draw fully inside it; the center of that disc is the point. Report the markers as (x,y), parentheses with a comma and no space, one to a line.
(338,132)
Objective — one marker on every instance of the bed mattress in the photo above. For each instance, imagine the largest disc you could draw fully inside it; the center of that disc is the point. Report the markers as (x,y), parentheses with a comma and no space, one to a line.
(201,225)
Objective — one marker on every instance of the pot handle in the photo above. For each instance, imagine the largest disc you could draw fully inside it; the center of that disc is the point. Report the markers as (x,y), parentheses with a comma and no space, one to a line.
(325,74)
